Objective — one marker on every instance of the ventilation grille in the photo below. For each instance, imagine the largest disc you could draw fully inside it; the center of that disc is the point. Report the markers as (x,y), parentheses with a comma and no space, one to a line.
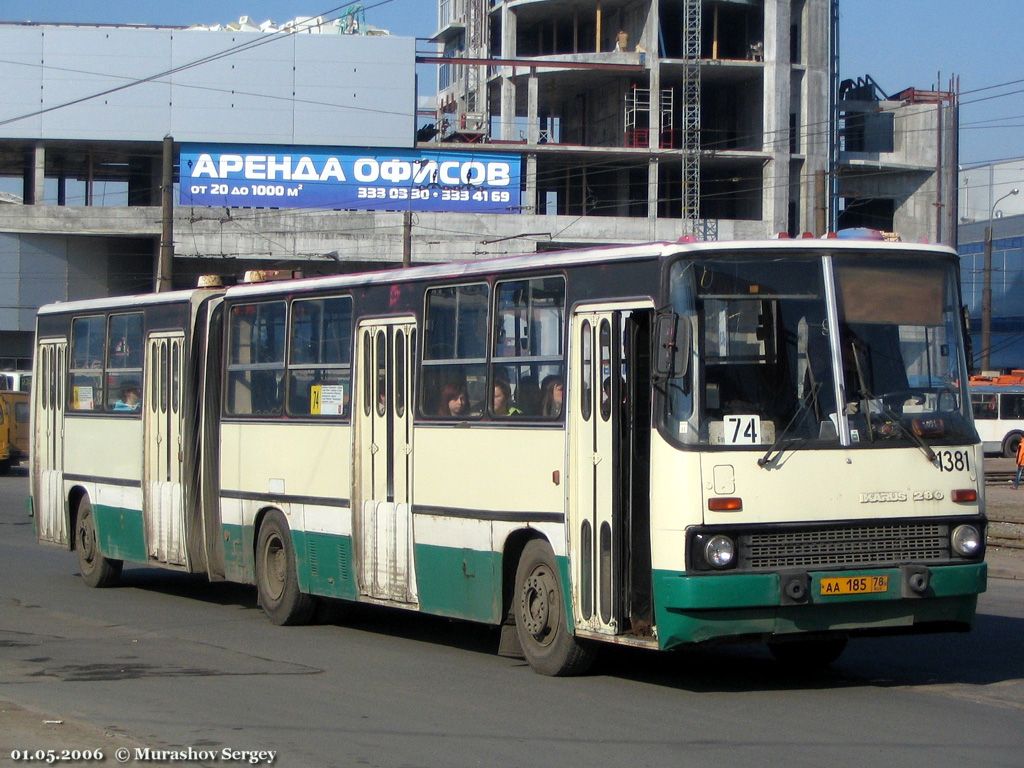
(313,556)
(866,545)
(344,564)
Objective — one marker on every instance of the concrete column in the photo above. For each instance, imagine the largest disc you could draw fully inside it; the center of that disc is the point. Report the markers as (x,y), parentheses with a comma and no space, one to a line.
(654,83)
(35,175)
(815,118)
(89,179)
(507,117)
(652,190)
(776,114)
(649,41)
(508,32)
(532,121)
(508,109)
(530,193)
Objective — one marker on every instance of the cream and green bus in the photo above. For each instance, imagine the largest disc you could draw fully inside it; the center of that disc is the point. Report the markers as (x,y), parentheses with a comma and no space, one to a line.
(653,445)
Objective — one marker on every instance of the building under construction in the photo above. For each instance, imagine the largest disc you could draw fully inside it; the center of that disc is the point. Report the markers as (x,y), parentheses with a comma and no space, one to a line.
(718,118)
(713,114)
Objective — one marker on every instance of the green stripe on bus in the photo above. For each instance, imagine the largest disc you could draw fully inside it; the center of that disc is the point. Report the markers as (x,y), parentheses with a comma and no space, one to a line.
(461,583)
(324,564)
(693,609)
(120,532)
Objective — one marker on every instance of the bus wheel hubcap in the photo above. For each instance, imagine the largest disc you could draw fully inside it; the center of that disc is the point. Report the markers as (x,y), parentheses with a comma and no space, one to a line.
(537,601)
(275,561)
(86,542)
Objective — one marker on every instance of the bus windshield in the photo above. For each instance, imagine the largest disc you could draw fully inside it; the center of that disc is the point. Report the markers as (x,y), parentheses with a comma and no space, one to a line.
(772,363)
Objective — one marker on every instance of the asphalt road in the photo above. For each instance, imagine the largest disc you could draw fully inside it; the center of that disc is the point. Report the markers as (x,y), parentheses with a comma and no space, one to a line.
(172,662)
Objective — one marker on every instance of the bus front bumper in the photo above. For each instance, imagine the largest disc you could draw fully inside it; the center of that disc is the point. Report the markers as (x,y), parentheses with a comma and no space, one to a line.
(698,608)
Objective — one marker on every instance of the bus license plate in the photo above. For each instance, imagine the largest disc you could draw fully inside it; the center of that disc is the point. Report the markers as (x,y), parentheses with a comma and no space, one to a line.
(854,585)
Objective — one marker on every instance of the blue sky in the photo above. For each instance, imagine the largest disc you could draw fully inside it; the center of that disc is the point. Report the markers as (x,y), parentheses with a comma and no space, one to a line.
(900,43)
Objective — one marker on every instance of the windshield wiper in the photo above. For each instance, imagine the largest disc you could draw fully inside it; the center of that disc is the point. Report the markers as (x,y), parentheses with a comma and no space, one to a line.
(895,419)
(778,446)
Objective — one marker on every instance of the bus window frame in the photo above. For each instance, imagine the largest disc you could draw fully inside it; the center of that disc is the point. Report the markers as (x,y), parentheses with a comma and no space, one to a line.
(276,366)
(494,361)
(474,363)
(90,371)
(344,367)
(137,372)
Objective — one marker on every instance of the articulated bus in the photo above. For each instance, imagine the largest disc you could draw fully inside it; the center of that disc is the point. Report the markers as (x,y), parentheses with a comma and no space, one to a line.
(653,445)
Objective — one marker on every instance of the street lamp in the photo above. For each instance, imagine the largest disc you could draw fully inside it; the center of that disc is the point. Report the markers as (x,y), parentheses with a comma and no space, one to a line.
(986,291)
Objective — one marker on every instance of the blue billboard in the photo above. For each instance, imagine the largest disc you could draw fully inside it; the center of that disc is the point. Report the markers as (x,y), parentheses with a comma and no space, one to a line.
(248,176)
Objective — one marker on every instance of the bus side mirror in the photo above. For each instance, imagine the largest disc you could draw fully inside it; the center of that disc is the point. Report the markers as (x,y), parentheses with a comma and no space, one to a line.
(672,354)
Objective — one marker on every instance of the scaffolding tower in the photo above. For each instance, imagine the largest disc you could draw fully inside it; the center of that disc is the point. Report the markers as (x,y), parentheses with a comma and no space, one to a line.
(637,117)
(476,31)
(690,133)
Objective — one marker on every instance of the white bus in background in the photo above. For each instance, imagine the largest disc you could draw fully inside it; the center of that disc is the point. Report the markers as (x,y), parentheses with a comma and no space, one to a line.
(654,445)
(998,405)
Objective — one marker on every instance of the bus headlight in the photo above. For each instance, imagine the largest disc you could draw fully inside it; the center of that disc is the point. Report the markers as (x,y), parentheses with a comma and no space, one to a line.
(966,540)
(720,551)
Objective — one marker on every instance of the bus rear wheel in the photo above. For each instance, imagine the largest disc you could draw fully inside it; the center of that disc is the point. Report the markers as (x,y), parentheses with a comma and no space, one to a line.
(547,643)
(1010,444)
(96,570)
(276,582)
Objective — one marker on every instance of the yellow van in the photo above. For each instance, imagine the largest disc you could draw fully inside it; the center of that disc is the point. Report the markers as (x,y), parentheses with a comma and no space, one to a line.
(14,434)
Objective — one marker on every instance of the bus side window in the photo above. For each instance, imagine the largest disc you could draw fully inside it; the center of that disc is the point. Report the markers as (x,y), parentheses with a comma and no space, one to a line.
(527,342)
(455,352)
(1011,407)
(984,406)
(256,364)
(88,338)
(320,357)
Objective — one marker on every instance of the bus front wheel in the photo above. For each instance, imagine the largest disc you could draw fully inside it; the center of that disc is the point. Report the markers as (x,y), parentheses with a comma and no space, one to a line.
(1010,443)
(547,643)
(276,581)
(96,570)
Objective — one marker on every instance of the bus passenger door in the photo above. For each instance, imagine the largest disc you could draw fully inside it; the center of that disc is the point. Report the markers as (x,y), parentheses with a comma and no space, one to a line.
(607,509)
(162,405)
(47,455)
(382,497)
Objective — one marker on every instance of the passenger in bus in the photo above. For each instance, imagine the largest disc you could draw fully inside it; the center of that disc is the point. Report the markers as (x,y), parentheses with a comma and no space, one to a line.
(528,396)
(453,400)
(552,395)
(502,403)
(129,400)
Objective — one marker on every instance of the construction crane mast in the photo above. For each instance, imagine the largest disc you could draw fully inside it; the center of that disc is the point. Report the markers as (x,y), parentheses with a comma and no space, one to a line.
(690,138)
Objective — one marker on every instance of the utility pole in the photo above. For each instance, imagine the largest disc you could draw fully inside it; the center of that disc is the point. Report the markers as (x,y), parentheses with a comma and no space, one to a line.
(166,258)
(407,238)
(986,291)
